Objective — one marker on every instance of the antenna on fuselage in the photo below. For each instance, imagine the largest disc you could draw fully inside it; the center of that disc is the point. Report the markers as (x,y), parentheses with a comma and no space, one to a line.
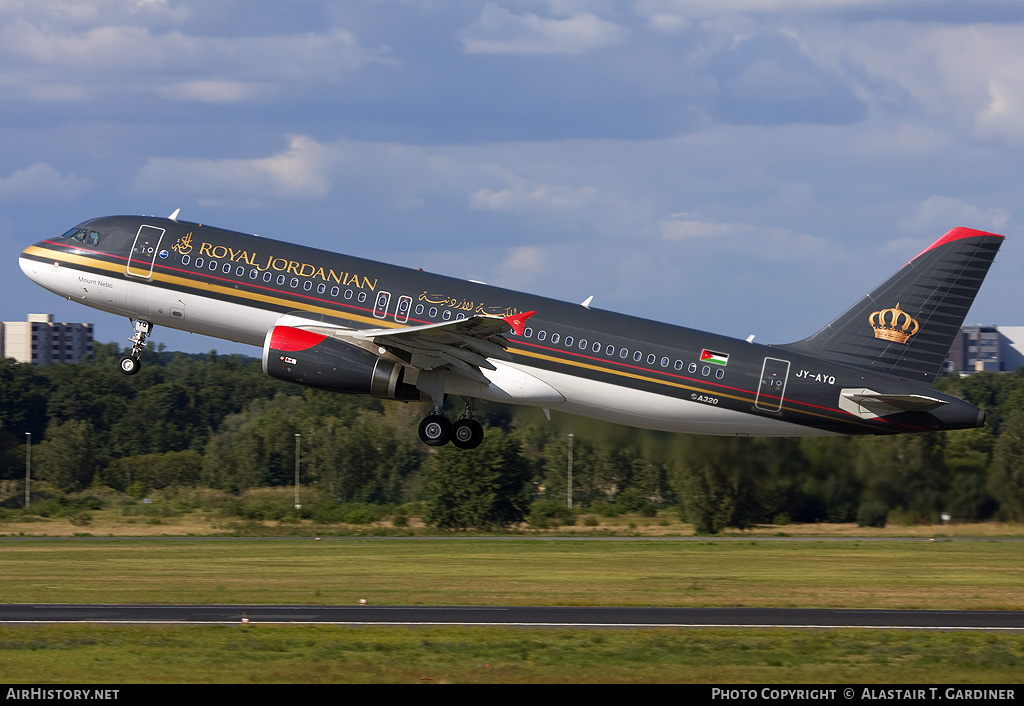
(174,216)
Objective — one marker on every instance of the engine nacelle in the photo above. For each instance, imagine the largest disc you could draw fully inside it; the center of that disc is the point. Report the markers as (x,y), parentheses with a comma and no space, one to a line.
(316,360)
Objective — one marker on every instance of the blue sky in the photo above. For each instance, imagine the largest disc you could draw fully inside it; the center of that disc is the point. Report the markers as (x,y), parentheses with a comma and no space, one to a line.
(742,166)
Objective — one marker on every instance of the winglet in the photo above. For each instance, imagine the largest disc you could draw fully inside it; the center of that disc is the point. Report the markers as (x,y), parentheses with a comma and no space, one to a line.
(518,321)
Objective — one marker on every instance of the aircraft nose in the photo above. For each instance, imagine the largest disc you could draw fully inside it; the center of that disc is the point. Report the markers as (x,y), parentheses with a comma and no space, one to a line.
(30,263)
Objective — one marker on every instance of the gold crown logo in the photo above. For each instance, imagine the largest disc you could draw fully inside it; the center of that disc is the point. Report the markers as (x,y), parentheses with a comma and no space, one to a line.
(893,324)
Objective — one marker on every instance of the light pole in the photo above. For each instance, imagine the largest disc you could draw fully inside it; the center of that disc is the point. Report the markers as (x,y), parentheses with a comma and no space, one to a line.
(28,468)
(297,506)
(568,500)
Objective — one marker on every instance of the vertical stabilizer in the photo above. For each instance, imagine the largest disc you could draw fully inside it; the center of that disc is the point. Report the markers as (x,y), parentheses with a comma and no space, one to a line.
(906,325)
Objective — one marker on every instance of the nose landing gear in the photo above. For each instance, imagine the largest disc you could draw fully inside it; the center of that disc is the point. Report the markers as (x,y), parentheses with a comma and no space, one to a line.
(129,364)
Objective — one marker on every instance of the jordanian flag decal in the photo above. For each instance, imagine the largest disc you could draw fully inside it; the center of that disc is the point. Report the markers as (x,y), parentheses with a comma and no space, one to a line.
(707,356)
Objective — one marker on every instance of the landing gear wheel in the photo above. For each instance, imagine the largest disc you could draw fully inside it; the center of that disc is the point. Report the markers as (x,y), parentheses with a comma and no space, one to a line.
(129,365)
(435,430)
(467,433)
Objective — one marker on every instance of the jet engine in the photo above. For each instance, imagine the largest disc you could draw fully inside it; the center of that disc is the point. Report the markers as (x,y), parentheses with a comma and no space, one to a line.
(317,360)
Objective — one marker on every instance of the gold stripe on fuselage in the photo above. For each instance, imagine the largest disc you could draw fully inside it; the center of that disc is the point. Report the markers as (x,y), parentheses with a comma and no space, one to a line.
(234,292)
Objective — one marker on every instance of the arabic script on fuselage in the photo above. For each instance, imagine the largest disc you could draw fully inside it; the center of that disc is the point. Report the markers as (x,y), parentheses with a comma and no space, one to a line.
(467,305)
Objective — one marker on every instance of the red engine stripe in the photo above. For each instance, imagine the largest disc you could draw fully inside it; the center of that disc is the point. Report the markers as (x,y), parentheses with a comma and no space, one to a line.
(286,338)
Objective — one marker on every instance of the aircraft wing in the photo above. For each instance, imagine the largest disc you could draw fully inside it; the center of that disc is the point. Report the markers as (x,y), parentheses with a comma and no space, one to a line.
(463,346)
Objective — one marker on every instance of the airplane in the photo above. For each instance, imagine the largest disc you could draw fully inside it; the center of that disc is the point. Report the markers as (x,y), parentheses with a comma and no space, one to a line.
(335,322)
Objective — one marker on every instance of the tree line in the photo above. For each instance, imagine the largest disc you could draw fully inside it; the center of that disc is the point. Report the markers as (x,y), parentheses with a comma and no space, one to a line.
(216,421)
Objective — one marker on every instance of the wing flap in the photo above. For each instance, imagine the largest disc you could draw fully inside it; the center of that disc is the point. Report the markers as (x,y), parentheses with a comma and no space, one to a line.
(464,345)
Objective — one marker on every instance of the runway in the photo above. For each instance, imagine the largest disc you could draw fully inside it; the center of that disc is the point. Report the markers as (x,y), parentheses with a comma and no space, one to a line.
(518,616)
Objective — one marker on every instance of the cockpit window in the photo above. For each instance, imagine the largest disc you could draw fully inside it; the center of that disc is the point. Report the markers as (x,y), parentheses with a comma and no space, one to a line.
(83,236)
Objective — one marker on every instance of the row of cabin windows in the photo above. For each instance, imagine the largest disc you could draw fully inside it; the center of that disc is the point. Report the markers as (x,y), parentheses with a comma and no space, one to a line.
(268,277)
(402,313)
(380,309)
(624,353)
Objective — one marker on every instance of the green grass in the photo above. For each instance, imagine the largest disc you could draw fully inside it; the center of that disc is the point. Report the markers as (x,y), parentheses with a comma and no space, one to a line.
(852,574)
(324,654)
(983,575)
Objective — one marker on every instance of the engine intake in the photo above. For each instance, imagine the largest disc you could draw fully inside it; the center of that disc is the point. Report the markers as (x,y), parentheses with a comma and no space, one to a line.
(319,361)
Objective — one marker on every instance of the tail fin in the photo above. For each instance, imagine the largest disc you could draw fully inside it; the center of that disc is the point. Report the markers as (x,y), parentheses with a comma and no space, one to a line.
(906,325)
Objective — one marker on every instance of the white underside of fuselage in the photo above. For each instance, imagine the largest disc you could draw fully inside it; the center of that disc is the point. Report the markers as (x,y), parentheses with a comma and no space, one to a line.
(512,383)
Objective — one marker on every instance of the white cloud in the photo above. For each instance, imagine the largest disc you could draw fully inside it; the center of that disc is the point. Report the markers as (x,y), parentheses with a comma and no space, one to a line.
(42,182)
(301,171)
(92,11)
(751,240)
(216,91)
(680,227)
(499,31)
(941,213)
(527,259)
(970,76)
(701,9)
(177,65)
(531,196)
(522,194)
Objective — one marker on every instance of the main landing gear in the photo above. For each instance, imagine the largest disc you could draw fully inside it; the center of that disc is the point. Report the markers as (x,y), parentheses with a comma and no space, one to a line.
(129,364)
(465,433)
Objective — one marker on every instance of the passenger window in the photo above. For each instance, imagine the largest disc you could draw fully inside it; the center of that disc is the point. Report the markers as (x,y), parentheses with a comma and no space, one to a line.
(554,338)
(679,365)
(280,279)
(692,367)
(185,259)
(447,314)
(254,274)
(362,296)
(720,373)
(348,293)
(706,370)
(227,268)
(597,348)
(568,341)
(267,276)
(199,263)
(321,288)
(335,292)
(294,283)
(638,356)
(308,285)
(213,265)
(404,305)
(380,308)
(433,312)
(541,335)
(623,352)
(664,362)
(527,332)
(651,358)
(583,344)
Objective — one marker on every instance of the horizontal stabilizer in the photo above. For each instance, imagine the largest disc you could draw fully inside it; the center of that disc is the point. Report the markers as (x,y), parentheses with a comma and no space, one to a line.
(868,404)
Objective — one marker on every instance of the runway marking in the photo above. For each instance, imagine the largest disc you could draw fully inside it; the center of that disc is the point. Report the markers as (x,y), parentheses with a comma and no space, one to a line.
(390,623)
